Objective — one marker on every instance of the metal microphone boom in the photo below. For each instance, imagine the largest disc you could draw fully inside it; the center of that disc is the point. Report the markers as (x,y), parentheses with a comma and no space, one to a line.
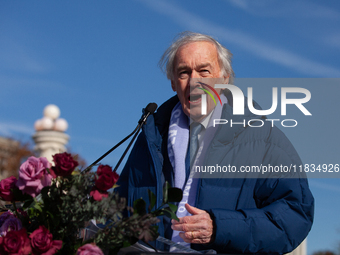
(149,109)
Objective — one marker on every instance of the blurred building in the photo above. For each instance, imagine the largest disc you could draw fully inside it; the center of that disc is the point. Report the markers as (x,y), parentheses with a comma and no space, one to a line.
(12,153)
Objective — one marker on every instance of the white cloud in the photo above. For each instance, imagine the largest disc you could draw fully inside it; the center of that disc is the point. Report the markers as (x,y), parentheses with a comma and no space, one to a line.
(16,56)
(333,40)
(242,4)
(251,44)
(282,9)
(11,129)
(14,82)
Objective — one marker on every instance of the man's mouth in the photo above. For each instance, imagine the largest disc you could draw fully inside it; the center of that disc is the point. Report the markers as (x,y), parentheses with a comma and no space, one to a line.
(194,98)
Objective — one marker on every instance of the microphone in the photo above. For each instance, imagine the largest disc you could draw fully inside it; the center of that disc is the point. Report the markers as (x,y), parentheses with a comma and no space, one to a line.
(149,109)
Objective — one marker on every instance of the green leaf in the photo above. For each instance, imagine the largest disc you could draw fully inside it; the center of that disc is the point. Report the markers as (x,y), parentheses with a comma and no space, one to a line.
(126,243)
(165,192)
(175,195)
(139,206)
(152,199)
(44,192)
(173,207)
(51,215)
(28,203)
(169,213)
(38,207)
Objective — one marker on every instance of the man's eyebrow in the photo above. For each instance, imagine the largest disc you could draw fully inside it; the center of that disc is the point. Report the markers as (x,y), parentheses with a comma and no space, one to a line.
(203,65)
(184,66)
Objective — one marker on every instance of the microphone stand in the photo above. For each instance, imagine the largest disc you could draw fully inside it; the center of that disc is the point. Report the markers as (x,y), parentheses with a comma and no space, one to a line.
(128,147)
(150,109)
(112,149)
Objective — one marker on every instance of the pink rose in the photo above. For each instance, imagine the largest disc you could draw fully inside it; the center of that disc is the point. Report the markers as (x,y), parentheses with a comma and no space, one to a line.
(15,242)
(11,224)
(42,242)
(89,249)
(106,178)
(64,164)
(33,176)
(5,188)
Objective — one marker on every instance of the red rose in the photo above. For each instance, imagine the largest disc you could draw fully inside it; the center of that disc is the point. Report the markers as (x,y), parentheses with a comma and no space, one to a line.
(98,194)
(15,242)
(106,178)
(64,164)
(5,188)
(42,242)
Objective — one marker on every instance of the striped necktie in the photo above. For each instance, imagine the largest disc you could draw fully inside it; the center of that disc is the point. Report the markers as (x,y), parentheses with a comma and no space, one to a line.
(195,129)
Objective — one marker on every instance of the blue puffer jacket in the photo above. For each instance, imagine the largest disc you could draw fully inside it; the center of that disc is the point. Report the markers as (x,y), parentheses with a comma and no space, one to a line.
(251,215)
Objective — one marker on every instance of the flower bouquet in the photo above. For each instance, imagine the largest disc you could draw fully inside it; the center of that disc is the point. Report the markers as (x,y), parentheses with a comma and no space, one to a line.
(52,204)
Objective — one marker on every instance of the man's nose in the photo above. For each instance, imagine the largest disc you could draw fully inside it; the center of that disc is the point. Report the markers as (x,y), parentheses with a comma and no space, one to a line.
(194,78)
(194,81)
(195,74)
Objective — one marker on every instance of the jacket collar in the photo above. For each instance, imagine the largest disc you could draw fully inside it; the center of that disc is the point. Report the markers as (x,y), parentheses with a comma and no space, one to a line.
(163,114)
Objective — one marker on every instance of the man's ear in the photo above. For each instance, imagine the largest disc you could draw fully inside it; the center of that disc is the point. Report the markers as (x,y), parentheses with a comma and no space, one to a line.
(173,86)
(226,79)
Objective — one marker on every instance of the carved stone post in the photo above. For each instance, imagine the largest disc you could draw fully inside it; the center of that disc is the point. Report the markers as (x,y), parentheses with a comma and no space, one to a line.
(50,137)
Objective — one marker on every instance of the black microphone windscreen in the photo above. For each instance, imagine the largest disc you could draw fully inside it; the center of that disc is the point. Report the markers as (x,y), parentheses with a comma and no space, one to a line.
(151,107)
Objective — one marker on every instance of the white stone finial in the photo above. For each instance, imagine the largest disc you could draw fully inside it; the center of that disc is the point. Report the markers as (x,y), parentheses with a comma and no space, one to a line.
(38,125)
(52,111)
(60,125)
(46,123)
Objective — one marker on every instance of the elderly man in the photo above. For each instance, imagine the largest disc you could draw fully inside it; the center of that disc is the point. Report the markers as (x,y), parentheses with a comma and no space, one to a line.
(229,215)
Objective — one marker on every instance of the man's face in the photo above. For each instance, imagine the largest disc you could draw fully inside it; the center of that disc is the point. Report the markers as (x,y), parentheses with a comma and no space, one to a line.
(196,63)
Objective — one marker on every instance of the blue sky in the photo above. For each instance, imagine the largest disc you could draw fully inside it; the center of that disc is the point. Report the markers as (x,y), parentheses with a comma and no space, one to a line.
(97,60)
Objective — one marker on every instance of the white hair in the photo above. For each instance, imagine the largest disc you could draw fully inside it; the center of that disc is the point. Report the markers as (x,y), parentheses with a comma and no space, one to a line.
(167,61)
